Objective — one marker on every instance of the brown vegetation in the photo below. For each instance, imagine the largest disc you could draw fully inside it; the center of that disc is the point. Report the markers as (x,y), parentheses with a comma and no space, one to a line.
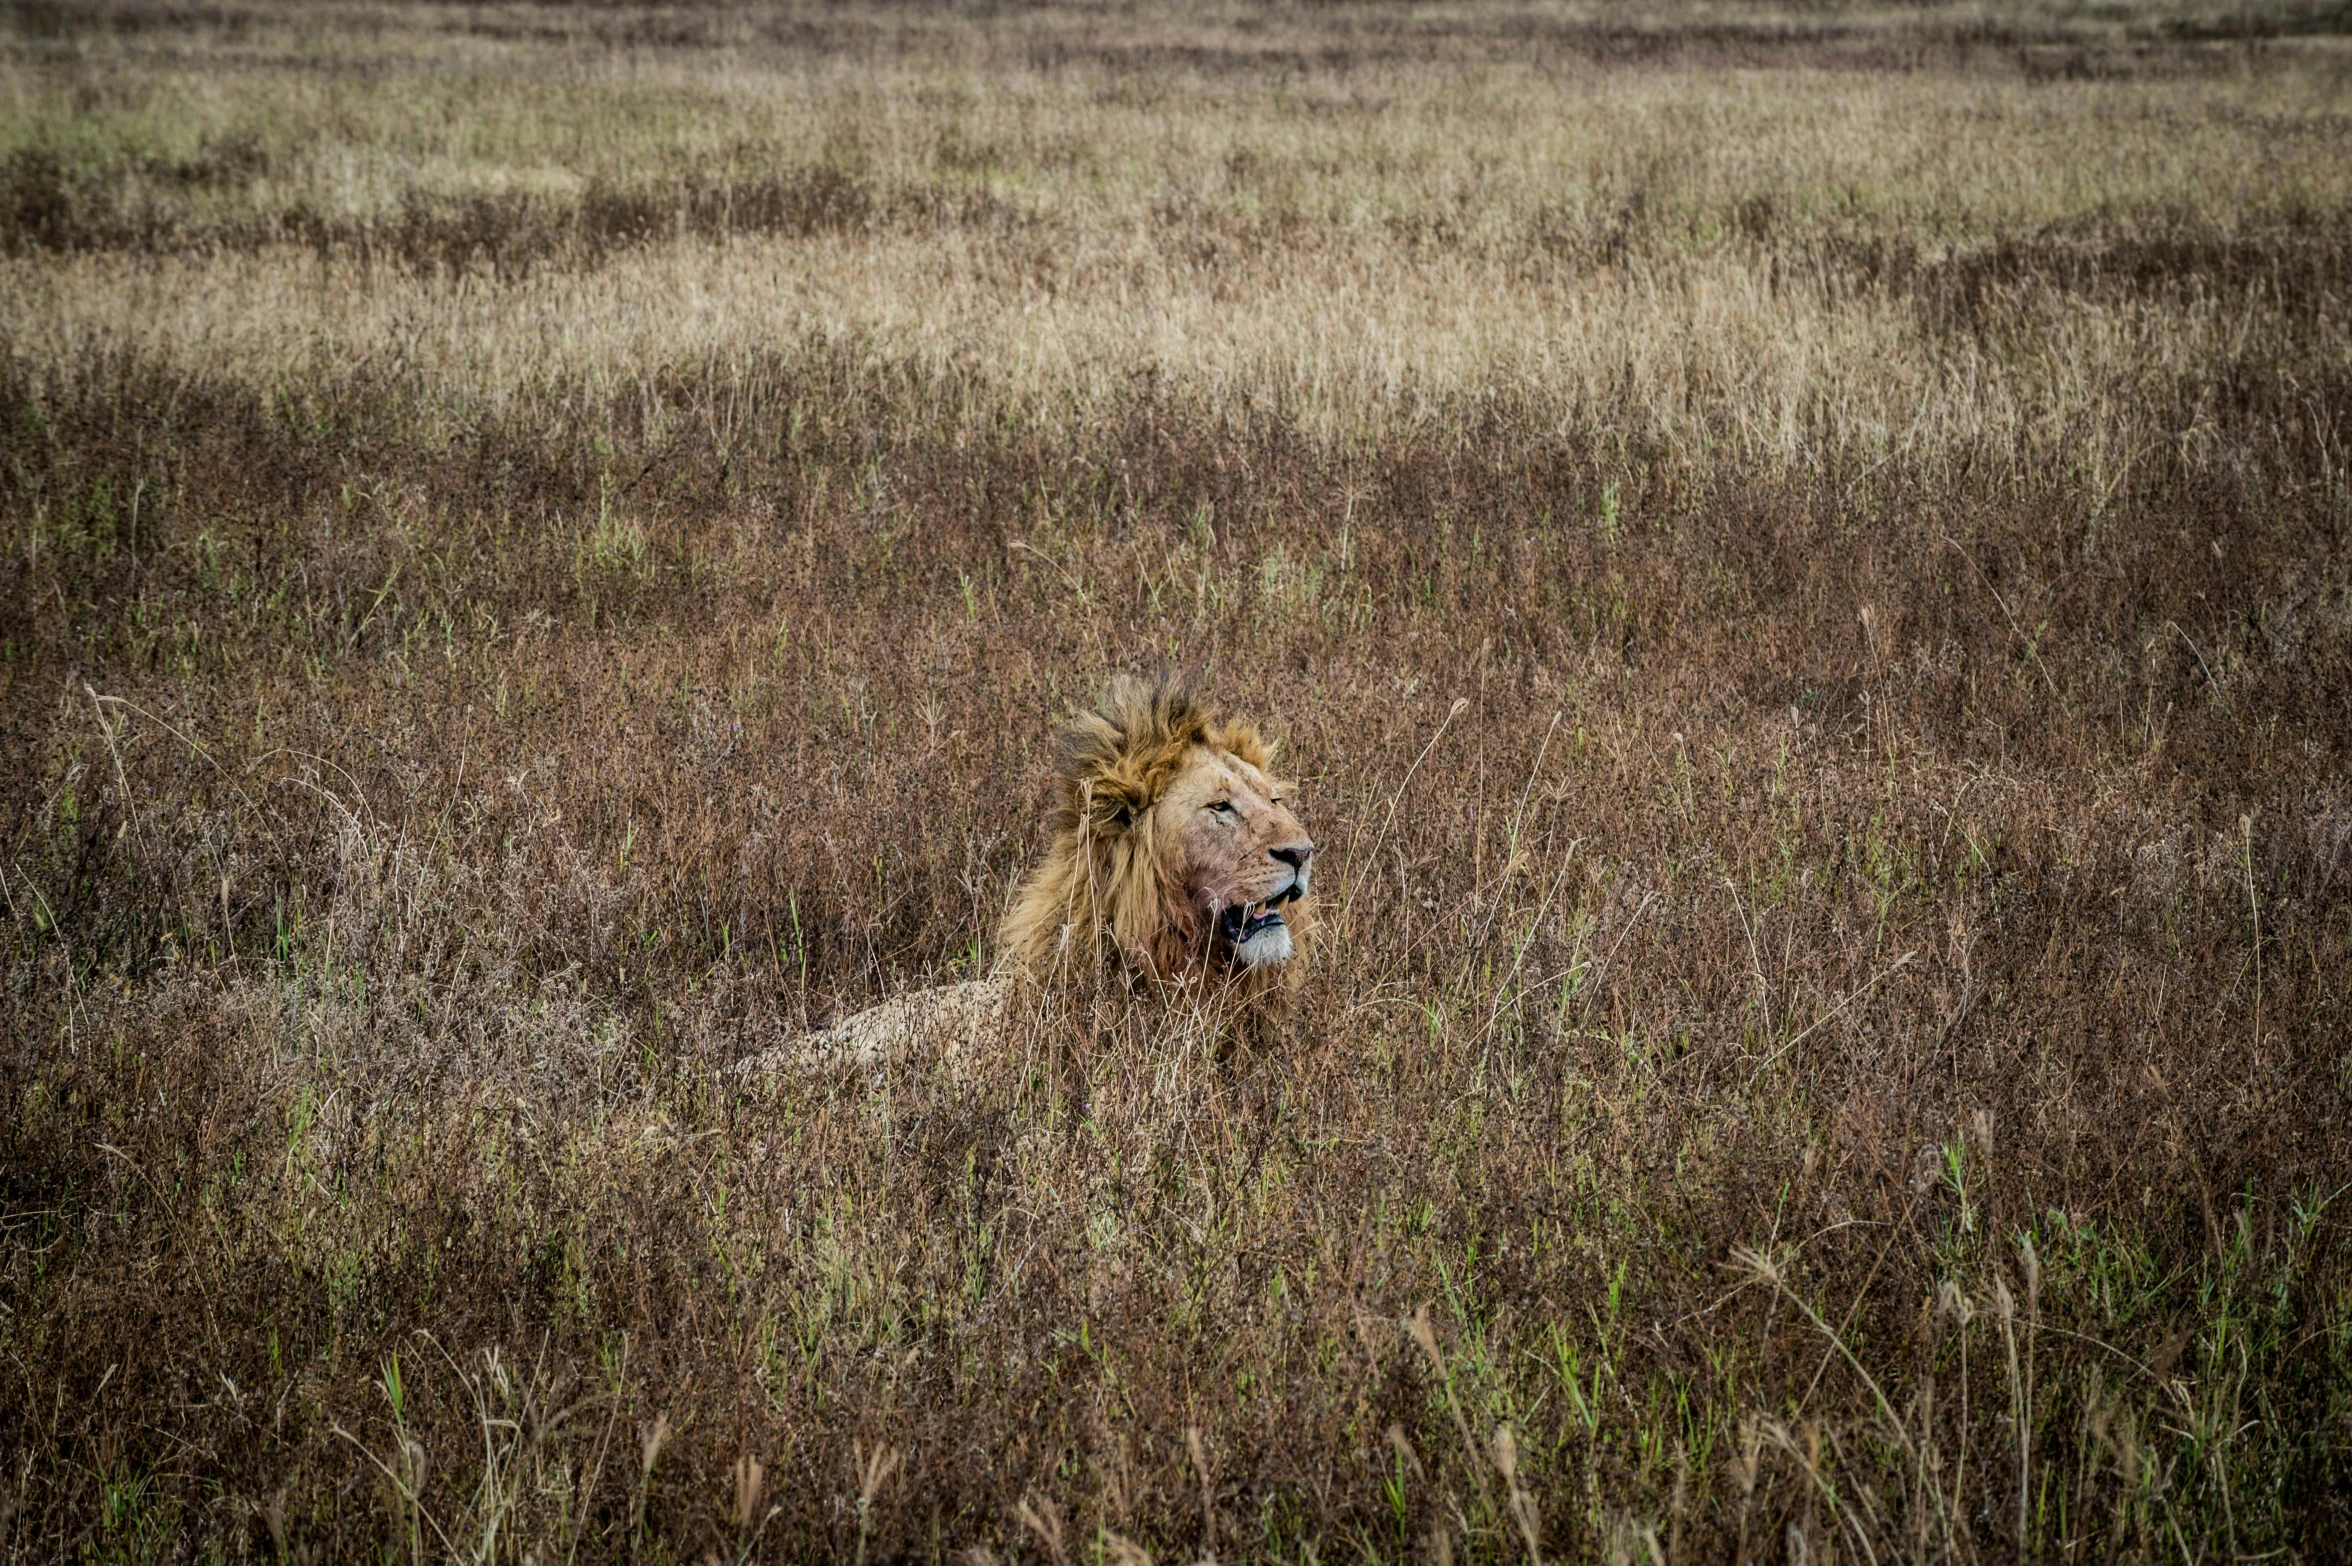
(1801,562)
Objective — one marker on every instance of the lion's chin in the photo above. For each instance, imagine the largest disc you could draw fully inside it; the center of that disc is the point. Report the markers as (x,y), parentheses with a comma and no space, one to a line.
(1266,946)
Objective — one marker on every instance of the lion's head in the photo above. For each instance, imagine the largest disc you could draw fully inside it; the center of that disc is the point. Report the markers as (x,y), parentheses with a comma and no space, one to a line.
(1173,847)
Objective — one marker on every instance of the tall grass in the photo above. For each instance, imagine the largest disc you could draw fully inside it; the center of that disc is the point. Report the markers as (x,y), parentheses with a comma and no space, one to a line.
(1801,560)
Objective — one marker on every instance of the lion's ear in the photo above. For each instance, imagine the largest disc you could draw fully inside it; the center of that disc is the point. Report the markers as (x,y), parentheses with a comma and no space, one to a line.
(1244,743)
(1114,800)
(1120,758)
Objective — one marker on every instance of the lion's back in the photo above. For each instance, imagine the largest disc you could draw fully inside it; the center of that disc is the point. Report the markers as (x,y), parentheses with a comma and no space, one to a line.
(947,1021)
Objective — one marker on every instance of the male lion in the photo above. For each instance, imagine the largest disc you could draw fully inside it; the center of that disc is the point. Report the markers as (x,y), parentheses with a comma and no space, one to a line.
(1175,858)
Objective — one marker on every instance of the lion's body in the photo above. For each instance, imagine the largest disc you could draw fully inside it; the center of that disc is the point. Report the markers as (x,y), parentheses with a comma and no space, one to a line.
(954,1022)
(1173,860)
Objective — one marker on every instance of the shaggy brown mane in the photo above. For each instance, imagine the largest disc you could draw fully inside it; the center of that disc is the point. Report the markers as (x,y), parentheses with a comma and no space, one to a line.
(1103,873)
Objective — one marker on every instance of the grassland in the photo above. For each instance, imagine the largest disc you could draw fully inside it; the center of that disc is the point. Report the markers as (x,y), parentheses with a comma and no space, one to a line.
(1803,561)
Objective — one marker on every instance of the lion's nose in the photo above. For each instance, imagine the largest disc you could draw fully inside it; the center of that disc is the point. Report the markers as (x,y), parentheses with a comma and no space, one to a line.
(1295,856)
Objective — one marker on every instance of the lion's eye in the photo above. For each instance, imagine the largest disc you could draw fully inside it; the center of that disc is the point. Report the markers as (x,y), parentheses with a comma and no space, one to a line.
(1222,807)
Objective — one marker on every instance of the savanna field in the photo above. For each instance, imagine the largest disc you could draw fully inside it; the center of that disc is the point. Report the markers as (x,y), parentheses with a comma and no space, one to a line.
(1801,560)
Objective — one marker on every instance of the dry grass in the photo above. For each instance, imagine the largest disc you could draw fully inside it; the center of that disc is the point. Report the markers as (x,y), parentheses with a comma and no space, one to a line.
(1803,559)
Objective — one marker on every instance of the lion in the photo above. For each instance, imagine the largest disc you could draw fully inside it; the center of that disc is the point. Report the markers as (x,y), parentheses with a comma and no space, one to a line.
(1175,859)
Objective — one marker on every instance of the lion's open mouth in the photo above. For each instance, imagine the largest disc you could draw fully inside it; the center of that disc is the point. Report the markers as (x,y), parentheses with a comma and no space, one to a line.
(1244,921)
(1245,926)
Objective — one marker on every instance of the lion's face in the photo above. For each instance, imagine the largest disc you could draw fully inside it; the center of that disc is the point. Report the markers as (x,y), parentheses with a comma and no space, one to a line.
(1237,853)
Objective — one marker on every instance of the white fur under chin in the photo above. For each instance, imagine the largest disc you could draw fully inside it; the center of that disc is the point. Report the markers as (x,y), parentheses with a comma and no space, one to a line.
(1265,946)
